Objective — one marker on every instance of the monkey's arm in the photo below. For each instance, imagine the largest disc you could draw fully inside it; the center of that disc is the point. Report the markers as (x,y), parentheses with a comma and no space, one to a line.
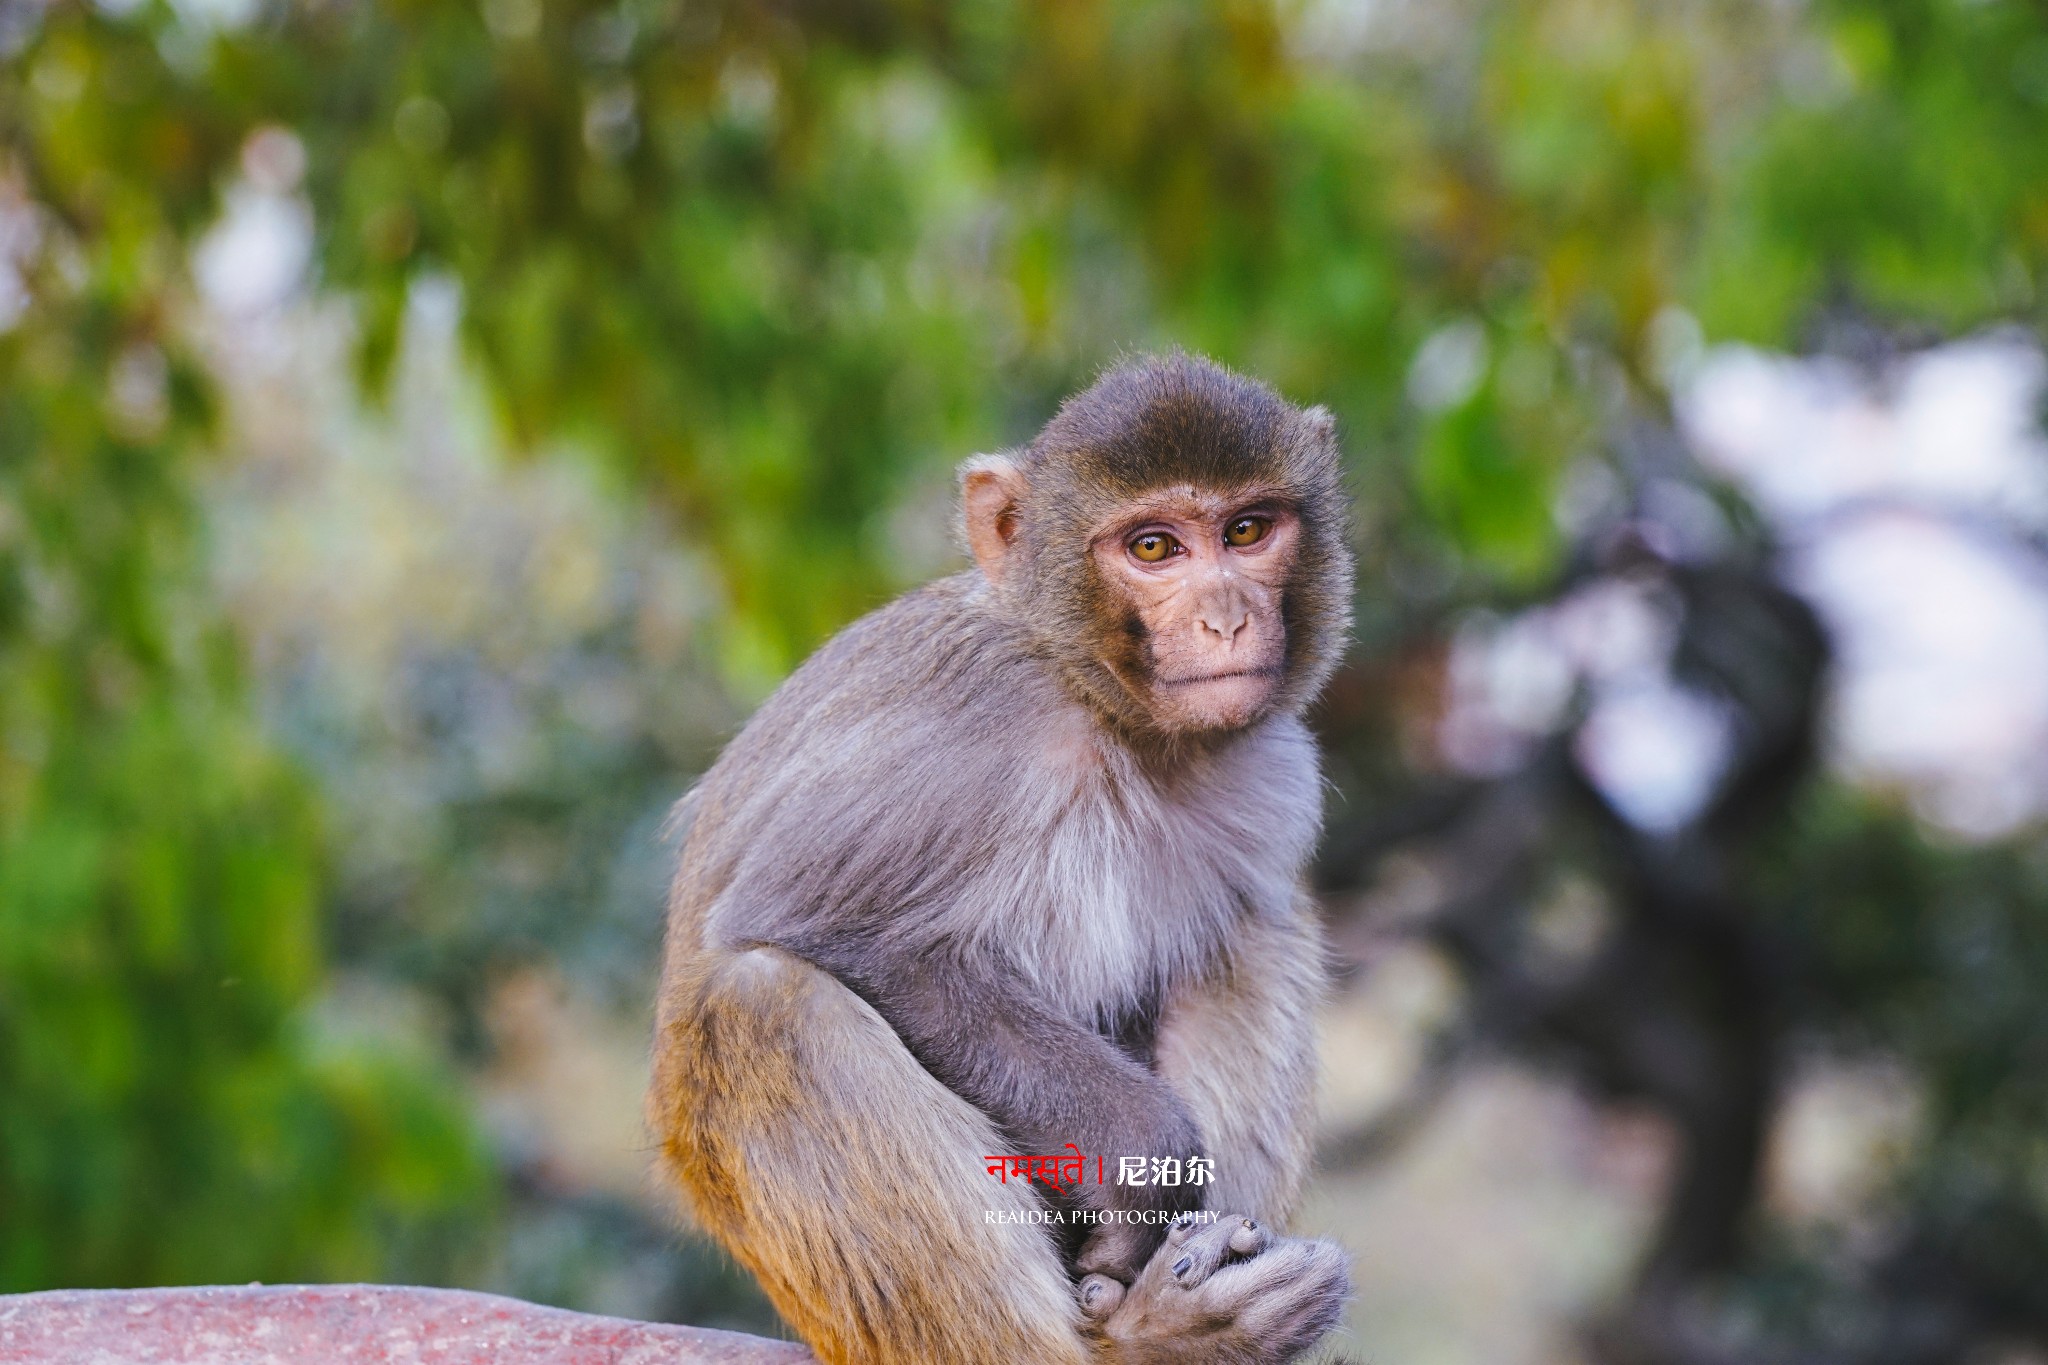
(1238,1047)
(1043,1079)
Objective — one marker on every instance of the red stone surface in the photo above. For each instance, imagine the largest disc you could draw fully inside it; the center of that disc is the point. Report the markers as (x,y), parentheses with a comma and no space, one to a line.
(346,1324)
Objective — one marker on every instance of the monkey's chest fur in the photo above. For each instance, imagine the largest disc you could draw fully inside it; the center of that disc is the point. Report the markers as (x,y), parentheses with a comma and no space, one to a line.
(1100,879)
(1116,882)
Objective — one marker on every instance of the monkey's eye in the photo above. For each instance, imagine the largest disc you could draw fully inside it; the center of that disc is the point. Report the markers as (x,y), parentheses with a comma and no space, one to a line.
(1153,546)
(1246,531)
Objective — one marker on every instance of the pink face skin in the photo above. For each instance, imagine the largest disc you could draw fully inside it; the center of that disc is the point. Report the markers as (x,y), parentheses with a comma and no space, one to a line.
(1204,571)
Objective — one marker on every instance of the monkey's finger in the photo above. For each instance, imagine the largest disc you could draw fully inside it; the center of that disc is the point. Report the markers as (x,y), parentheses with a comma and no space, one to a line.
(1182,1228)
(1206,1248)
(1248,1239)
(1100,1296)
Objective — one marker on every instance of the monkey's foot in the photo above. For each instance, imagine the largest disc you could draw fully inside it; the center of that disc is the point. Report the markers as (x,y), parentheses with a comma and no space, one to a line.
(1222,1293)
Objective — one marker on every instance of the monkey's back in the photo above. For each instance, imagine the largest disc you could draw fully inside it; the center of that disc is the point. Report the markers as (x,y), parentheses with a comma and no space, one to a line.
(916,697)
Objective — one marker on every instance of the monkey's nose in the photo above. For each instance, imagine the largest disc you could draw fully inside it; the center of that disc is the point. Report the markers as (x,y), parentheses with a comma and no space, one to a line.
(1226,623)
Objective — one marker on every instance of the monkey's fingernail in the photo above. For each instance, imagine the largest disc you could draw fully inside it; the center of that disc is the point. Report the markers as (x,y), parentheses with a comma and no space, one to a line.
(1181,1220)
(1250,1226)
(1180,1267)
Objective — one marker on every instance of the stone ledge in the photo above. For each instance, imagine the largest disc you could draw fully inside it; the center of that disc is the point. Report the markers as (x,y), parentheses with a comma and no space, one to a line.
(346,1324)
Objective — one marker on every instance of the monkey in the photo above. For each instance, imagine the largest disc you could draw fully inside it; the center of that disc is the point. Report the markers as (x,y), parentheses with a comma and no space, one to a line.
(1012,865)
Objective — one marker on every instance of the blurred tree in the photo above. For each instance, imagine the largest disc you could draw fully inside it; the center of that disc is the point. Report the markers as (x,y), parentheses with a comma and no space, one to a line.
(170,1110)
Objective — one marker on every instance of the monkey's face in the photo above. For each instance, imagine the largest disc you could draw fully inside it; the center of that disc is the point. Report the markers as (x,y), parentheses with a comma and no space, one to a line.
(1173,543)
(1200,575)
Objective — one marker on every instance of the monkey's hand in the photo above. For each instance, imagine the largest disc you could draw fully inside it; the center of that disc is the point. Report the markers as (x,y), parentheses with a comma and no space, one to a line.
(1221,1293)
(1118,1248)
(1117,1252)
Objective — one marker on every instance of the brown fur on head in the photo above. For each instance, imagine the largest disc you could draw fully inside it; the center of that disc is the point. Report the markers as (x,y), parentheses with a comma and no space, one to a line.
(1216,634)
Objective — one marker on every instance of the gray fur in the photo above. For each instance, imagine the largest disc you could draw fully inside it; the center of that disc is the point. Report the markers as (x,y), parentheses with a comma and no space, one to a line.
(1085,924)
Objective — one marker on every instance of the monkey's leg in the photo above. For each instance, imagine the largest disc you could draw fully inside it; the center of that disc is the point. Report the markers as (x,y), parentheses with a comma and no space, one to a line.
(1239,1047)
(850,1182)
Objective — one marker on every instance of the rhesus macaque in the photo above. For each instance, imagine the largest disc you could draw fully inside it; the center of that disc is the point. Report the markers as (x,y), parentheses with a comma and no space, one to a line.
(1015,862)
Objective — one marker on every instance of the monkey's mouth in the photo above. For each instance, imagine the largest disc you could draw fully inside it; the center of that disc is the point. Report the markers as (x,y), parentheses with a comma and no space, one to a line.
(1195,680)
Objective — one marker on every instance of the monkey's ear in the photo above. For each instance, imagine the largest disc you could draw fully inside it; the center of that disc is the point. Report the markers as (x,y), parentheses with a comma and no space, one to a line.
(992,490)
(1316,448)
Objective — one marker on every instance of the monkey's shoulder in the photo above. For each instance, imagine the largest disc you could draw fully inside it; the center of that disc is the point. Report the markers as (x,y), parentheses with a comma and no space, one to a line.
(938,635)
(930,668)
(914,712)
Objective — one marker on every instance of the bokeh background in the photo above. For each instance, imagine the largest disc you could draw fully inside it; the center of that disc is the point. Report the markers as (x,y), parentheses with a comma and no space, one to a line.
(428,426)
